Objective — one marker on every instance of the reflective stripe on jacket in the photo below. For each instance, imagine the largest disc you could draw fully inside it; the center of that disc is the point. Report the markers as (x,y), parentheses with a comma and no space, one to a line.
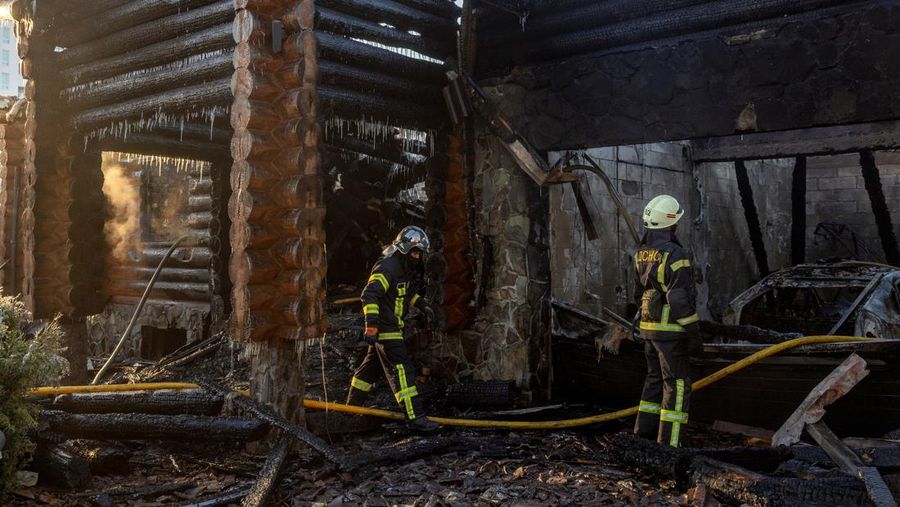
(665,286)
(389,293)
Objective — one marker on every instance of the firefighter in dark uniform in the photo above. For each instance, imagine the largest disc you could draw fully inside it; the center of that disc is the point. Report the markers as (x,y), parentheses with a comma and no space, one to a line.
(668,323)
(394,287)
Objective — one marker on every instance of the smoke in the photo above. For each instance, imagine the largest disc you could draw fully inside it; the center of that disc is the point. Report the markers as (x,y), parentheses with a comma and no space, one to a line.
(123,199)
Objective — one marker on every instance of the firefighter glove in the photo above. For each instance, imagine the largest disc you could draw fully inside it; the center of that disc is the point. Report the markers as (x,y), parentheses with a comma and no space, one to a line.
(370,335)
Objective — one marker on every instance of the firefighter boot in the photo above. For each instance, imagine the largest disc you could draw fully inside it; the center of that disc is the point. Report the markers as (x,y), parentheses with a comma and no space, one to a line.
(357,397)
(422,425)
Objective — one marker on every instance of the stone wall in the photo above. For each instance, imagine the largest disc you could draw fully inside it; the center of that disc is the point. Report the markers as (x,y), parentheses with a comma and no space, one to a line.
(838,67)
(508,340)
(105,329)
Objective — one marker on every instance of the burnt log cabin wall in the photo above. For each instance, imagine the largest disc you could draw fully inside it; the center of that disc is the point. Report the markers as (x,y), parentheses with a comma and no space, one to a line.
(625,73)
(339,71)
(206,80)
(139,77)
(12,161)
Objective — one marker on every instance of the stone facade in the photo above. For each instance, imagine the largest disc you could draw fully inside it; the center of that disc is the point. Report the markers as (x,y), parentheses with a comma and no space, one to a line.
(106,328)
(508,340)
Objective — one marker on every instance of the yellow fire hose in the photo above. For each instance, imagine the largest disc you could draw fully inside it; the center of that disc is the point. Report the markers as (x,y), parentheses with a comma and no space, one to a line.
(477,423)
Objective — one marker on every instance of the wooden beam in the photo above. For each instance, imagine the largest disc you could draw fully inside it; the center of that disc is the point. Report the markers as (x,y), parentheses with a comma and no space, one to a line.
(838,383)
(164,402)
(850,463)
(154,427)
(813,141)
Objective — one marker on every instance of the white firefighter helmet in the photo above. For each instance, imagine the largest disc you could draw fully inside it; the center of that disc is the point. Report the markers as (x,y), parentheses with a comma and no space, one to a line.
(661,212)
(410,238)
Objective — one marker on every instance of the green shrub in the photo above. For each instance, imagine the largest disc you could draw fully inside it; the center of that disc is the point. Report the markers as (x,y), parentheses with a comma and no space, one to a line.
(29,357)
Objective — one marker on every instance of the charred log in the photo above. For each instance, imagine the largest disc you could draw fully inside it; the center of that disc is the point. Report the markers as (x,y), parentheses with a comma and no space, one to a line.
(168,291)
(730,482)
(196,132)
(154,427)
(166,52)
(408,451)
(139,36)
(372,82)
(206,95)
(164,402)
(350,26)
(395,14)
(350,104)
(385,151)
(265,414)
(127,15)
(343,50)
(261,492)
(148,144)
(127,86)
(664,24)
(60,467)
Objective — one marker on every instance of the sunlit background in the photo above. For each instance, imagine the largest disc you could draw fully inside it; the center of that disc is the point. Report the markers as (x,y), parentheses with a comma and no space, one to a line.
(11,82)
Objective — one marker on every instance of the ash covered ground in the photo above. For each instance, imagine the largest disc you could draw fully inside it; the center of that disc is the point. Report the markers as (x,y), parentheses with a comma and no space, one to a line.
(456,467)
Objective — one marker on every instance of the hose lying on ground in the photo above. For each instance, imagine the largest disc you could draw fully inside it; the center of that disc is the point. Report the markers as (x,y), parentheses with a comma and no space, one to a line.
(478,423)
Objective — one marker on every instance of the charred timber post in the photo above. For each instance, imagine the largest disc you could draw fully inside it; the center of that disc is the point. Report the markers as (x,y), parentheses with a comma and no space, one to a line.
(165,402)
(752,217)
(154,427)
(277,265)
(880,207)
(798,212)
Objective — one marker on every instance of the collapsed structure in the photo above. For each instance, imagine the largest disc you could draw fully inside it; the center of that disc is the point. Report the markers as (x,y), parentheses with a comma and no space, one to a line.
(287,139)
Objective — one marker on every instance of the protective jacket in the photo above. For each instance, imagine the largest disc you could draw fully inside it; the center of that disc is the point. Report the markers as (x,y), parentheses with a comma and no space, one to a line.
(393,288)
(665,289)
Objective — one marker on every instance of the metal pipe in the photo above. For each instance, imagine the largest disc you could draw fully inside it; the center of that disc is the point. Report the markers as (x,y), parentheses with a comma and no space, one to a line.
(137,311)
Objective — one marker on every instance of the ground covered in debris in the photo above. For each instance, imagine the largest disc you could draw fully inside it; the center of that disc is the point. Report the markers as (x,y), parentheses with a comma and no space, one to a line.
(391,467)
(476,468)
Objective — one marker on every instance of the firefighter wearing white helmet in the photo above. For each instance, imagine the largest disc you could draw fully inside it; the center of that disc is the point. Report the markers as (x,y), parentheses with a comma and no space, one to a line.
(394,287)
(668,322)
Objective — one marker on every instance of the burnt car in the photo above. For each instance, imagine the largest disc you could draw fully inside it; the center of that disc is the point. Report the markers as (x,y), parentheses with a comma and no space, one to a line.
(847,298)
(844,298)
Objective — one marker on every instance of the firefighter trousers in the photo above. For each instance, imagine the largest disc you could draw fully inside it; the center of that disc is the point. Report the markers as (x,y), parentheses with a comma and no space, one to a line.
(391,359)
(663,410)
